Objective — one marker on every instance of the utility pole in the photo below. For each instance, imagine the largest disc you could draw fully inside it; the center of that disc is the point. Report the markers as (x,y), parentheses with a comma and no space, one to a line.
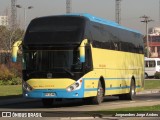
(159,11)
(118,11)
(68,6)
(13,14)
(146,20)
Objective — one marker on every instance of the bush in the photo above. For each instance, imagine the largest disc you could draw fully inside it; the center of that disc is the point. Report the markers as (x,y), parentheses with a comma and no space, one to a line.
(14,81)
(157,75)
(5,73)
(10,74)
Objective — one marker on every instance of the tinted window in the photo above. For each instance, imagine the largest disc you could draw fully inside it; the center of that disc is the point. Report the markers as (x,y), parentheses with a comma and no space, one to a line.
(53,30)
(114,38)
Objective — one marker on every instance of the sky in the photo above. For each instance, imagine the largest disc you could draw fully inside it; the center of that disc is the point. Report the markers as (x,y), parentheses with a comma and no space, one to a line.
(131,10)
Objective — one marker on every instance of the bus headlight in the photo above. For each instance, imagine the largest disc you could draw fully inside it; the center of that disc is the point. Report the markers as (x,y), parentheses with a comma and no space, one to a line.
(27,87)
(75,86)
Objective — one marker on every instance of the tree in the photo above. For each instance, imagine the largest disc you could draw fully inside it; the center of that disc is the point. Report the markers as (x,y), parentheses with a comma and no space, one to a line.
(8,37)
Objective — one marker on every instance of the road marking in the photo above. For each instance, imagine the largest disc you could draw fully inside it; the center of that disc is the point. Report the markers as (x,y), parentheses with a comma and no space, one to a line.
(132,101)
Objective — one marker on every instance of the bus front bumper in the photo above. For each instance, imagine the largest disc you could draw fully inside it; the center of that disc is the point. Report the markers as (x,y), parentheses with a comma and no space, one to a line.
(47,93)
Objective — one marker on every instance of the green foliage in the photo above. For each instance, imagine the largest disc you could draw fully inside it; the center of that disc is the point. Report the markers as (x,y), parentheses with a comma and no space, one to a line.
(157,75)
(13,81)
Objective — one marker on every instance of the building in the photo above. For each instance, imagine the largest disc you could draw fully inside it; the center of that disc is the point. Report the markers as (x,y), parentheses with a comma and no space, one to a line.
(154,42)
(4,20)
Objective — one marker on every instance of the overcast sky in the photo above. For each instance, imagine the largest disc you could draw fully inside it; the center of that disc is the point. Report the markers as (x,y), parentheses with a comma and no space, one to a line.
(131,10)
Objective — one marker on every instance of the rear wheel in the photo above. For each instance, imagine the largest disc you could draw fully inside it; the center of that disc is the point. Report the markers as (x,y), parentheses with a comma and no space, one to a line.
(47,102)
(131,95)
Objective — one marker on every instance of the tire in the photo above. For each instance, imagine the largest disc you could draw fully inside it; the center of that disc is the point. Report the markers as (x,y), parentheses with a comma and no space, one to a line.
(100,95)
(145,75)
(131,95)
(122,96)
(47,102)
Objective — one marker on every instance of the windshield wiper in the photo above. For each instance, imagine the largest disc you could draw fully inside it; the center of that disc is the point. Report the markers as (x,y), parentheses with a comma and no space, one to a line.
(69,72)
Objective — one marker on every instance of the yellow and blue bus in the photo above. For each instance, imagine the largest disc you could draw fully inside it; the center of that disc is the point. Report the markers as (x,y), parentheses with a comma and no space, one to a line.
(80,56)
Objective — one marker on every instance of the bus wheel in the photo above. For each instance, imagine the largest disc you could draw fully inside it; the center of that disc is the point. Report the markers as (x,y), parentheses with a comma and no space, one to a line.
(131,95)
(100,93)
(47,102)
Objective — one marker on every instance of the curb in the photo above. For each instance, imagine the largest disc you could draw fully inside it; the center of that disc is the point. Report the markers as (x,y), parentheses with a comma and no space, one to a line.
(149,91)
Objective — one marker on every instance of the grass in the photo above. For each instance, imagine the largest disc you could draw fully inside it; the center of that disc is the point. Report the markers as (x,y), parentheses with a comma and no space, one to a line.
(145,108)
(131,110)
(9,91)
(152,84)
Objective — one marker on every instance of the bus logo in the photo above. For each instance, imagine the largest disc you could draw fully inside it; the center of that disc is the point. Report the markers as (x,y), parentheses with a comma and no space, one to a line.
(49,75)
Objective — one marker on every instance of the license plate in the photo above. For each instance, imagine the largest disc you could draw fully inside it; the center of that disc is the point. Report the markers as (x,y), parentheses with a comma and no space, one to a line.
(49,94)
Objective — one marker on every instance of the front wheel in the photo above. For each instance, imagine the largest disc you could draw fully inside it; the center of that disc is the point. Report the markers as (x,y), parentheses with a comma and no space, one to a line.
(100,94)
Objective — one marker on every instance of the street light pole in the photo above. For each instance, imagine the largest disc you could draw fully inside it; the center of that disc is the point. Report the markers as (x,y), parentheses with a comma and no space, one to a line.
(146,20)
(25,14)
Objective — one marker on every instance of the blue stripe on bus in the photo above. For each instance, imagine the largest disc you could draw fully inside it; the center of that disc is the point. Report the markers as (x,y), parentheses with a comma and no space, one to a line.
(112,88)
(117,88)
(91,89)
(108,78)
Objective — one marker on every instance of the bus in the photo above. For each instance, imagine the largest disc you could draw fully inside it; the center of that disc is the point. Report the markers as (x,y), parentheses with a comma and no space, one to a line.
(80,56)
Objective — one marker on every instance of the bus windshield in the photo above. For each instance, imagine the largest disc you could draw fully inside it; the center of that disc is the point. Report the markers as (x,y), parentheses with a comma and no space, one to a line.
(55,30)
(51,60)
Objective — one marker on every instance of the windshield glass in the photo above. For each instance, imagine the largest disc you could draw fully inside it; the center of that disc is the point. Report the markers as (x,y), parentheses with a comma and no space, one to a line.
(55,30)
(51,60)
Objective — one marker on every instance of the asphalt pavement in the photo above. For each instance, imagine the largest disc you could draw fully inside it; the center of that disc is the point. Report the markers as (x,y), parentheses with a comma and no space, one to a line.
(23,100)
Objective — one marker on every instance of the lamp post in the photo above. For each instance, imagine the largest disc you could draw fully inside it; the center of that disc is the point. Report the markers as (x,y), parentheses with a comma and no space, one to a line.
(146,20)
(25,14)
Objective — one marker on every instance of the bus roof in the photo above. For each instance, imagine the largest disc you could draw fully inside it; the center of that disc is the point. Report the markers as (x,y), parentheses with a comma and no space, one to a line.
(102,21)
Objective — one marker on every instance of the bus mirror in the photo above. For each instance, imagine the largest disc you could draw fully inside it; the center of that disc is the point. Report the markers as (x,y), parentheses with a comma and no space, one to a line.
(82,50)
(82,54)
(15,50)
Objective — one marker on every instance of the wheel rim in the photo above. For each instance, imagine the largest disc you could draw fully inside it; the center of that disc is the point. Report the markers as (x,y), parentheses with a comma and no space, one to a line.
(133,89)
(100,92)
